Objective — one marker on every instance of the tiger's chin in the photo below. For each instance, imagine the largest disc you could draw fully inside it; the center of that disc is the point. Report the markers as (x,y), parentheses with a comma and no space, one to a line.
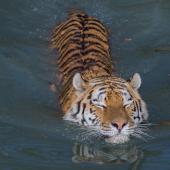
(117,139)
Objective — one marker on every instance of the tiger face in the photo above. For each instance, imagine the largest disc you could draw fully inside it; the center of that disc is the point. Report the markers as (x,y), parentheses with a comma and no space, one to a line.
(110,106)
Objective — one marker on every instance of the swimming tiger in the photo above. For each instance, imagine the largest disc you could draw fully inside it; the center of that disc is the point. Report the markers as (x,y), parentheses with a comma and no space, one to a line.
(92,94)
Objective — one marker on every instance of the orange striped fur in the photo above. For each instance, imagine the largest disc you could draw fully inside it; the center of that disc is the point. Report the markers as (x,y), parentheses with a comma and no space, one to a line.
(91,95)
(82,43)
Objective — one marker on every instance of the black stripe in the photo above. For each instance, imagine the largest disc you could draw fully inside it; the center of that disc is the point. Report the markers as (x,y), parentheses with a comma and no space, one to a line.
(95,28)
(100,105)
(99,48)
(70,23)
(90,94)
(69,60)
(77,69)
(90,43)
(137,117)
(92,62)
(85,52)
(102,88)
(98,57)
(76,24)
(65,46)
(91,110)
(83,36)
(95,36)
(83,66)
(76,47)
(97,23)
(83,119)
(63,56)
(62,25)
(78,109)
(103,92)
(140,107)
(59,36)
(67,37)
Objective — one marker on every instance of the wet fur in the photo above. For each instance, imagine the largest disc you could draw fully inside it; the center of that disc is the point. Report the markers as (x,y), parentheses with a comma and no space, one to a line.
(86,72)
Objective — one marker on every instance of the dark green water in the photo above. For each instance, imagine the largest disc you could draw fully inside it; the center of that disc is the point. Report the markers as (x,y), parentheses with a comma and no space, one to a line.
(32,133)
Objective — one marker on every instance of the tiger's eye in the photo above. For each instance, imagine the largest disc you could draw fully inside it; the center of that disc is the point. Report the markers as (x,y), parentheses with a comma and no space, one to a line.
(94,100)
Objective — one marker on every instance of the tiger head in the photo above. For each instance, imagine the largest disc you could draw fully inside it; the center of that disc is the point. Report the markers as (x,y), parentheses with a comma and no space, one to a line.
(109,105)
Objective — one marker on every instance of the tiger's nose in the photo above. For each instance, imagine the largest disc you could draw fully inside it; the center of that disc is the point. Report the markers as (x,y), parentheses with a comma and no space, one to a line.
(119,124)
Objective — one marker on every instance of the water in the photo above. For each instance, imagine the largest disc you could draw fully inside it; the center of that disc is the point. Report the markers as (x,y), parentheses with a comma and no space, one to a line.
(32,133)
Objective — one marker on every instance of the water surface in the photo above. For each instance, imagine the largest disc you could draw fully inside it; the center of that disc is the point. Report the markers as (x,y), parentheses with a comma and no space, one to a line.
(32,133)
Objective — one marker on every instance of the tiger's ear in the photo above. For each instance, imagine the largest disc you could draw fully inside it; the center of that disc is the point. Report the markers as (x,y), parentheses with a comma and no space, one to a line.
(78,82)
(136,81)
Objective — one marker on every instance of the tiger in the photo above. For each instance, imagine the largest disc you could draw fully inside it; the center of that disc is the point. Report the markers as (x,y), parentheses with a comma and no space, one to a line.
(92,94)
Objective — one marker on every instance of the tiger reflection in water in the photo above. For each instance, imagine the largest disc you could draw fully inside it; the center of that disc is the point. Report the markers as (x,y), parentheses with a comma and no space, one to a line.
(104,155)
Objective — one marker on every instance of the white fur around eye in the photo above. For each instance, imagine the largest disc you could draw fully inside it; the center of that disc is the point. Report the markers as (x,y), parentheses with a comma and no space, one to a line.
(98,98)
(127,99)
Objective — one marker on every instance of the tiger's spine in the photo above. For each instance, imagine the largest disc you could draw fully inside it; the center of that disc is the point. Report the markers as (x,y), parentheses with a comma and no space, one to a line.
(82,43)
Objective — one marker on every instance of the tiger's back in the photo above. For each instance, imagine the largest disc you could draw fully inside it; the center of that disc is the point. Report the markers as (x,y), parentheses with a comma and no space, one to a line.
(82,43)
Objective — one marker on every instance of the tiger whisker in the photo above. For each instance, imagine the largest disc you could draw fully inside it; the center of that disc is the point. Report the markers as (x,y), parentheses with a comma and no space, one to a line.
(90,133)
(139,136)
(145,134)
(143,129)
